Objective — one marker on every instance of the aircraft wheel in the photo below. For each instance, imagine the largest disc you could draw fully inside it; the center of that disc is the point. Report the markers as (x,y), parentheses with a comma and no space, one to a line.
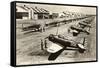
(81,50)
(75,34)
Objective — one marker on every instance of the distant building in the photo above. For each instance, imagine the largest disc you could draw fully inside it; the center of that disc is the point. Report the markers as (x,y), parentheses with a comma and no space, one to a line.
(50,16)
(73,14)
(21,12)
(55,15)
(26,12)
(40,13)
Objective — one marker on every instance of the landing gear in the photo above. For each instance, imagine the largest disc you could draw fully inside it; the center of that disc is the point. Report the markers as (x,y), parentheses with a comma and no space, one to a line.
(81,50)
(81,46)
(75,32)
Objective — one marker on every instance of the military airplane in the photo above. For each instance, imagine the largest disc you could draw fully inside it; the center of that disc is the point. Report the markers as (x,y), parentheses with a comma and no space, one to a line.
(76,30)
(32,27)
(84,25)
(59,43)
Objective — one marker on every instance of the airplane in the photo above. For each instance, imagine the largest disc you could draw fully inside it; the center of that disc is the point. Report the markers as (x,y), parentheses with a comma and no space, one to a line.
(84,25)
(76,30)
(88,21)
(32,27)
(60,43)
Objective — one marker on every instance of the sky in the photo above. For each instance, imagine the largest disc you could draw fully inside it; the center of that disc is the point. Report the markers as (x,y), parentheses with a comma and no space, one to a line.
(61,8)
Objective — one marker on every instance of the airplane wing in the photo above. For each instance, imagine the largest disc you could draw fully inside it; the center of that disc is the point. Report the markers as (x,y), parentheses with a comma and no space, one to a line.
(54,48)
(53,56)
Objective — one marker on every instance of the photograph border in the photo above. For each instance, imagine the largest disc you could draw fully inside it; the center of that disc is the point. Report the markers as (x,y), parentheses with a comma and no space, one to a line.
(13,33)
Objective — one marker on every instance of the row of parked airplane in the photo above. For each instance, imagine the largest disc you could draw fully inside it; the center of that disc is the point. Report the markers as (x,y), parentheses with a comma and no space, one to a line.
(55,22)
(59,43)
(82,26)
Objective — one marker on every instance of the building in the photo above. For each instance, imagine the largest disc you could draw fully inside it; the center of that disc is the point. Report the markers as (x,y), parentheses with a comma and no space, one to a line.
(40,13)
(55,15)
(29,12)
(22,12)
(73,14)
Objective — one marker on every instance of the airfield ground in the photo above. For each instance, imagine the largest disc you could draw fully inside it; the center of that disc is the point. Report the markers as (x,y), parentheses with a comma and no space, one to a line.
(29,49)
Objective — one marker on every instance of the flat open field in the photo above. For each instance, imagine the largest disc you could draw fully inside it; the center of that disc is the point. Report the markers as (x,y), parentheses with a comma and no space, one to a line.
(29,46)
